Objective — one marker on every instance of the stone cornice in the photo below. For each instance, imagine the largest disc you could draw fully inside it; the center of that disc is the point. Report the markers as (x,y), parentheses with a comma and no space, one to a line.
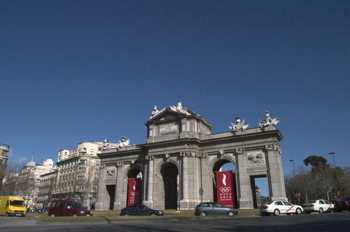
(241,138)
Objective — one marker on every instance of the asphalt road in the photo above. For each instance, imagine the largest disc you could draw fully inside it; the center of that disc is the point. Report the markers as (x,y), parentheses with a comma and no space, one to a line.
(314,222)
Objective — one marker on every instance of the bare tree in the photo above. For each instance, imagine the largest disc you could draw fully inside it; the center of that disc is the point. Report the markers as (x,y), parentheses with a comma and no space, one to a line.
(8,178)
(86,184)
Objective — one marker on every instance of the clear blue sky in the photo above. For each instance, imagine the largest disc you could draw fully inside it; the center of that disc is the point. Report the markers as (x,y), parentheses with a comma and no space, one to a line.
(74,71)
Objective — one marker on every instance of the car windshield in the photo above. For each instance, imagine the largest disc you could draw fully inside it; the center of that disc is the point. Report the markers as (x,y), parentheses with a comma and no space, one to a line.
(17,203)
(269,202)
(313,201)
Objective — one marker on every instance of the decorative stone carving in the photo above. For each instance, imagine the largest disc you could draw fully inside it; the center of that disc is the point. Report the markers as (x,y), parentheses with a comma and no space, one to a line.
(239,150)
(202,155)
(82,151)
(268,121)
(273,147)
(119,164)
(188,153)
(149,157)
(179,109)
(256,158)
(239,126)
(167,156)
(110,172)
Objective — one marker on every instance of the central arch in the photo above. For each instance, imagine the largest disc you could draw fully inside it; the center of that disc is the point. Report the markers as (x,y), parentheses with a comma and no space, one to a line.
(222,164)
(170,173)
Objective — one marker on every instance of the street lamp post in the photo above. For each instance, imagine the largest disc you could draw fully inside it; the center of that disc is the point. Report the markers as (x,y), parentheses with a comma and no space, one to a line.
(332,153)
(293,167)
(336,179)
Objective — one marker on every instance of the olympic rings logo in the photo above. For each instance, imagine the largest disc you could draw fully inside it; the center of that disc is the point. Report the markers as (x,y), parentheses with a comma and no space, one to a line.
(225,189)
(134,194)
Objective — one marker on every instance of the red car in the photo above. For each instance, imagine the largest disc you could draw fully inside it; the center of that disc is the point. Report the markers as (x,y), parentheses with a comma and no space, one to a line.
(67,208)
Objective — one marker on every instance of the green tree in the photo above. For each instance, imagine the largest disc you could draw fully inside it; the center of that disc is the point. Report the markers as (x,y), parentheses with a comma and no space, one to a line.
(315,161)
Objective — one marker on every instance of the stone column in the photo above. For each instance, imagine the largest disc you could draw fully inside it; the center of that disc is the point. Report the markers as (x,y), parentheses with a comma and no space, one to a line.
(275,174)
(244,191)
(102,195)
(149,201)
(120,190)
(184,182)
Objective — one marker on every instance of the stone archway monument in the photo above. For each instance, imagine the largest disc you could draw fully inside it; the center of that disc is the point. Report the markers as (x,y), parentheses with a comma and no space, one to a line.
(179,158)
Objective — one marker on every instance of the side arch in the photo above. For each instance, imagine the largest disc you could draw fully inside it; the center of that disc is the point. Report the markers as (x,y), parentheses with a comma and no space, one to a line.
(168,183)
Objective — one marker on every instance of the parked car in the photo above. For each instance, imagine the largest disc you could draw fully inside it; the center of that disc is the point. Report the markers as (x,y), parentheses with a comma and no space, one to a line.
(318,206)
(278,207)
(214,208)
(67,208)
(140,210)
(342,204)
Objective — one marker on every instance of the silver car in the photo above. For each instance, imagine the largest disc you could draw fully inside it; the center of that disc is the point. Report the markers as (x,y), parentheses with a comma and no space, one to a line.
(214,208)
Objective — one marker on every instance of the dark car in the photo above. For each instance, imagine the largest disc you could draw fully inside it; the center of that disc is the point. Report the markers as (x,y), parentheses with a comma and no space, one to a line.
(214,208)
(342,204)
(140,210)
(67,208)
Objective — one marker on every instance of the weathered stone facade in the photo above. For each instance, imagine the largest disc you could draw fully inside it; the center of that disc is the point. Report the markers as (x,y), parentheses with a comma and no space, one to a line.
(180,156)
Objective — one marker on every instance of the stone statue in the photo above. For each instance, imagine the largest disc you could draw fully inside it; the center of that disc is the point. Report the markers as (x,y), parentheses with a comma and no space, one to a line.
(124,142)
(268,121)
(239,125)
(155,111)
(179,109)
(106,145)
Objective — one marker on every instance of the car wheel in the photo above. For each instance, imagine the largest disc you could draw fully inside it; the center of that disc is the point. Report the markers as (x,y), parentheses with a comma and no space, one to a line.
(320,210)
(74,215)
(126,215)
(298,211)
(153,214)
(203,214)
(230,213)
(52,215)
(276,212)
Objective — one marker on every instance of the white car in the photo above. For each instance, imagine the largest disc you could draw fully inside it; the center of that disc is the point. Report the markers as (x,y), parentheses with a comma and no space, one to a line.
(278,207)
(318,206)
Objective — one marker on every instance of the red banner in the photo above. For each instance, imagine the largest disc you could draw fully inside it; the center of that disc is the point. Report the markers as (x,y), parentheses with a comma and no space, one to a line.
(225,188)
(134,195)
